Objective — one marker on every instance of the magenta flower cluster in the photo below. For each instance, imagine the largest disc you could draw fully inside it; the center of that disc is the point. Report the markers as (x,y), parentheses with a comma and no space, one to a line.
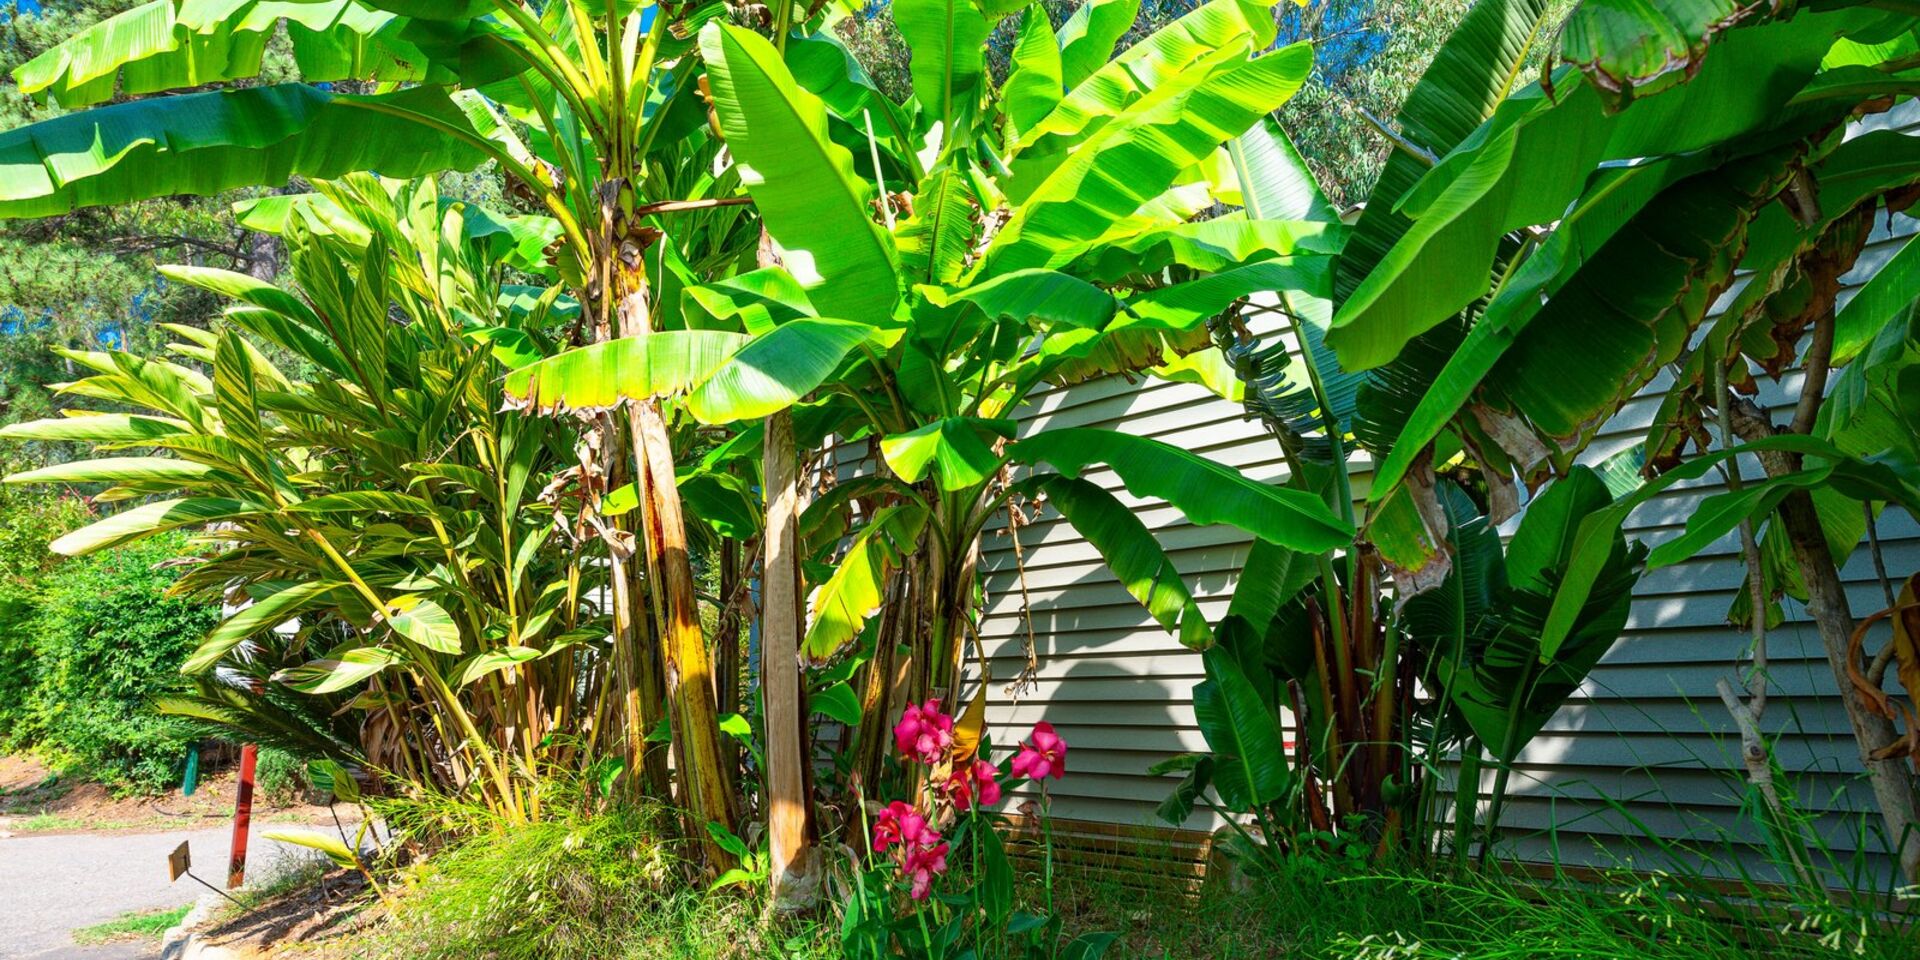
(925,735)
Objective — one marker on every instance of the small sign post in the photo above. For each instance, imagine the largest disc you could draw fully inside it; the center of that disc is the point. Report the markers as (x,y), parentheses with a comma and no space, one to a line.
(180,864)
(242,818)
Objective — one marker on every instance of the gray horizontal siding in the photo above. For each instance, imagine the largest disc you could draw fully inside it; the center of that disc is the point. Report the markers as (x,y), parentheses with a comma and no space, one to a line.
(1646,730)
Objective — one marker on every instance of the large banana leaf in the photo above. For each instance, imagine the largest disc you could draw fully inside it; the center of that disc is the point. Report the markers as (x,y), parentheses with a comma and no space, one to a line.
(1275,183)
(1166,57)
(1033,85)
(1484,624)
(1476,69)
(1140,153)
(1592,545)
(1087,37)
(176,45)
(947,40)
(1207,492)
(1129,550)
(1250,757)
(728,376)
(206,143)
(1534,157)
(957,450)
(803,184)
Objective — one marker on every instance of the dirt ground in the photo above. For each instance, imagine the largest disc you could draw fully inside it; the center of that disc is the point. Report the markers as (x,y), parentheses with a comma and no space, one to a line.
(32,800)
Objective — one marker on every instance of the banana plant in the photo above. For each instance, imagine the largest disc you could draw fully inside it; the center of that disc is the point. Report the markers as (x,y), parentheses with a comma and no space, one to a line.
(984,243)
(1533,281)
(378,524)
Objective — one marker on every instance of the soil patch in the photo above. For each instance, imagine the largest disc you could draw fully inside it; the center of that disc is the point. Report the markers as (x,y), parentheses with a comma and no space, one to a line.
(34,800)
(310,914)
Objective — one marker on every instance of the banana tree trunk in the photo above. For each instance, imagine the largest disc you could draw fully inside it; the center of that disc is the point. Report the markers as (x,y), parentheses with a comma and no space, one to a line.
(704,782)
(1833,617)
(789,805)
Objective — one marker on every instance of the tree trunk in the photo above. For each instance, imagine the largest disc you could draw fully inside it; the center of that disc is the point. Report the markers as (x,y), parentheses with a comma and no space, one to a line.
(788,804)
(1833,616)
(705,791)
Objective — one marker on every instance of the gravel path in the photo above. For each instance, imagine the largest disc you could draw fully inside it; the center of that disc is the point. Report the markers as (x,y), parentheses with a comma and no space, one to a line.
(53,885)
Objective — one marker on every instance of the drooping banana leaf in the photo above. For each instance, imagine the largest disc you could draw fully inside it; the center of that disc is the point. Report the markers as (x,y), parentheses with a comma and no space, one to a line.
(173,45)
(1250,757)
(1205,491)
(1631,49)
(206,143)
(728,376)
(1129,550)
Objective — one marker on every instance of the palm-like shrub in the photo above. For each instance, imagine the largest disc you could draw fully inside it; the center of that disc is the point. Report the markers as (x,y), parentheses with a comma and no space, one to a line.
(378,529)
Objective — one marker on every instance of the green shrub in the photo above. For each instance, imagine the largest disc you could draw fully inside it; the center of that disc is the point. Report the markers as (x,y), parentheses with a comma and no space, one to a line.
(104,641)
(29,520)
(279,778)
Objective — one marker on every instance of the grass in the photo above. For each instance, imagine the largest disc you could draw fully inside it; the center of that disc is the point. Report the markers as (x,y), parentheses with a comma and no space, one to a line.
(132,925)
(60,822)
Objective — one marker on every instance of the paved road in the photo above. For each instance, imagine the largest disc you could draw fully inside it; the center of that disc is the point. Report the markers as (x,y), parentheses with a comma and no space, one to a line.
(52,885)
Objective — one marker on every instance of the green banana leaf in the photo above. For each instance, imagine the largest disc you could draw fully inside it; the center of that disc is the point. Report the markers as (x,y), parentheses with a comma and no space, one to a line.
(957,450)
(1087,37)
(948,40)
(1129,550)
(169,45)
(1205,491)
(1167,56)
(727,376)
(1527,164)
(803,184)
(1141,152)
(206,143)
(1629,48)
(1033,86)
(1250,756)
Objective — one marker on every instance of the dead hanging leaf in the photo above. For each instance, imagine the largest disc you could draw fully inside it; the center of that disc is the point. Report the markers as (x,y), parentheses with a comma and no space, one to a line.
(1408,529)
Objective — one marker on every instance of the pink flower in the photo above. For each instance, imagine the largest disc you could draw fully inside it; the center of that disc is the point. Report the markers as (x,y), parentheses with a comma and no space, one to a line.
(1043,755)
(922,864)
(896,821)
(924,733)
(965,783)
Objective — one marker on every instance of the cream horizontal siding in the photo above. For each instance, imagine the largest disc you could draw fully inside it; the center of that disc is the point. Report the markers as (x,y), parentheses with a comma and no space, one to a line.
(1646,730)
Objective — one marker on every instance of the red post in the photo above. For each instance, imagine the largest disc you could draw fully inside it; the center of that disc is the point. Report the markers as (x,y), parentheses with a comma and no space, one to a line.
(242,817)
